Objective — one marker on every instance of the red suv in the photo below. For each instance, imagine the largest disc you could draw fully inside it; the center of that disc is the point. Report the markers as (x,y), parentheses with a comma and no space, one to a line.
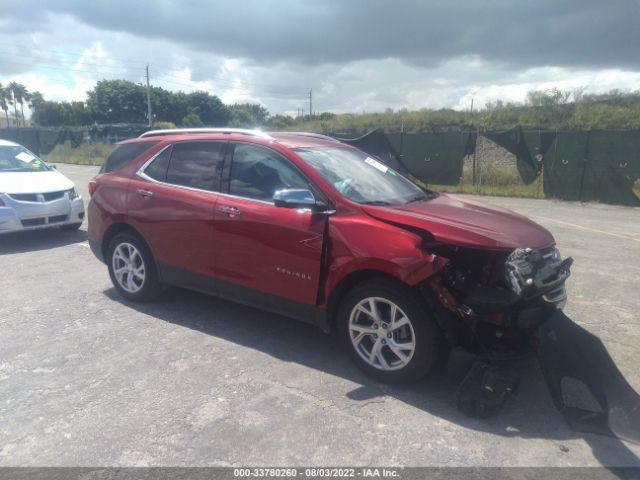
(308,227)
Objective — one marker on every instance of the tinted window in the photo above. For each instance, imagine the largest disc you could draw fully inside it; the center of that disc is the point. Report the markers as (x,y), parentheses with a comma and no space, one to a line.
(124,154)
(157,169)
(196,165)
(258,173)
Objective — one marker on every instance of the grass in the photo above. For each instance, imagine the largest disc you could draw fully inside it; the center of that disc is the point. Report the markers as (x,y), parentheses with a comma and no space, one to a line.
(498,180)
(85,154)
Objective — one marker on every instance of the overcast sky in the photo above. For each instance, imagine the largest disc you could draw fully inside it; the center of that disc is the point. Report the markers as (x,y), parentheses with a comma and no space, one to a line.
(356,55)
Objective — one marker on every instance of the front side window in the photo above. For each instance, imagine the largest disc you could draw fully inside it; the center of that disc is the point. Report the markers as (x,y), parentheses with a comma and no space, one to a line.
(196,165)
(14,158)
(258,172)
(360,177)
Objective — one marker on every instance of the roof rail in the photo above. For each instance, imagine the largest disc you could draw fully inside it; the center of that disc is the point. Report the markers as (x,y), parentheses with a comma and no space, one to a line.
(228,131)
(308,134)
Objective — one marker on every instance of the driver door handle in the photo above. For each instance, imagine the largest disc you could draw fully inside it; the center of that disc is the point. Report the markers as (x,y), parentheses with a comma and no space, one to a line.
(144,193)
(230,212)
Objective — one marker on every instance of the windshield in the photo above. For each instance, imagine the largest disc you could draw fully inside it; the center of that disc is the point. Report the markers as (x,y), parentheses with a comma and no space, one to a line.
(361,178)
(14,158)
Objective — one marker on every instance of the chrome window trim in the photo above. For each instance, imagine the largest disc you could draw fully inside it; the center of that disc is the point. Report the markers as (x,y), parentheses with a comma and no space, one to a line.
(140,173)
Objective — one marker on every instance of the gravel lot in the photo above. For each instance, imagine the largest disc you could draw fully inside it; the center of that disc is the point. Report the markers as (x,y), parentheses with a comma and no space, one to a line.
(87,379)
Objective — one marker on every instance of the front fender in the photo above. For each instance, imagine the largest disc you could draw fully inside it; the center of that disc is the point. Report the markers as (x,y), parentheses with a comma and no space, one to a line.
(358,244)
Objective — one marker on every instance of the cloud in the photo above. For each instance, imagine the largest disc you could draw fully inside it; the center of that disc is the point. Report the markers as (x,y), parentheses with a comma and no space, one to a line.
(585,33)
(357,55)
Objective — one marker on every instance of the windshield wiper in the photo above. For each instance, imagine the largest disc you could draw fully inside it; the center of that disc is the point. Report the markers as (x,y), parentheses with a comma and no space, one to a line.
(427,195)
(376,202)
(417,198)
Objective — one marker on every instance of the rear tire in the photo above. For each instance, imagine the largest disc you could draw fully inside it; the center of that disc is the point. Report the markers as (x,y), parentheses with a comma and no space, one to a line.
(389,331)
(132,268)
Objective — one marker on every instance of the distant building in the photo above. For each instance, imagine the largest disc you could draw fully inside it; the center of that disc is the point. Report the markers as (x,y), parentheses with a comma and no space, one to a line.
(13,122)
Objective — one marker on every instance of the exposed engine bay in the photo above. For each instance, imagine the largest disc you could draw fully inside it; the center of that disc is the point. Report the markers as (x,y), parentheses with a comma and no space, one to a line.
(506,308)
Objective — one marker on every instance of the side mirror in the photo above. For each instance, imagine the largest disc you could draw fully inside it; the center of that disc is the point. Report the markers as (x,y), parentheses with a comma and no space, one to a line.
(294,198)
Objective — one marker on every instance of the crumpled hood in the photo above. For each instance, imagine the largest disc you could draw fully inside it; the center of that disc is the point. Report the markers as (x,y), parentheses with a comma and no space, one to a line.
(452,219)
(34,182)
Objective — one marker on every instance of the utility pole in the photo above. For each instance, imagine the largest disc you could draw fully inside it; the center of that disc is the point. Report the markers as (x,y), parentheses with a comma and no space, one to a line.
(474,150)
(150,120)
(310,103)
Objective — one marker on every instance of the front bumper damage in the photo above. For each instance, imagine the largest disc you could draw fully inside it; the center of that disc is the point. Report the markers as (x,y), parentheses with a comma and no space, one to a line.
(518,319)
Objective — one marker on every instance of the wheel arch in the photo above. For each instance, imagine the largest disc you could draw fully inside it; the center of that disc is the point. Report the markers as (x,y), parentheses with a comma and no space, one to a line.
(116,229)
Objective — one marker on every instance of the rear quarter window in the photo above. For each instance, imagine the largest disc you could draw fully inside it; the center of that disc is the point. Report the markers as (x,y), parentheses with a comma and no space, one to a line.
(123,154)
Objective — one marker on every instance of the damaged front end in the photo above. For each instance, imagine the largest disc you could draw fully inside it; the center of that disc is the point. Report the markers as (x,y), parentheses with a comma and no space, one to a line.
(505,307)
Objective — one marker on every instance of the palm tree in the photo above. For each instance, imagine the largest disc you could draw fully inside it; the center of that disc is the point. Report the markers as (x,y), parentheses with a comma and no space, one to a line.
(26,96)
(20,94)
(4,96)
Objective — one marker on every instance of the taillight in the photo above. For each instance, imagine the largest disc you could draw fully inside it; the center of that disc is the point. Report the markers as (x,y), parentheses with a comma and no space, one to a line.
(93,184)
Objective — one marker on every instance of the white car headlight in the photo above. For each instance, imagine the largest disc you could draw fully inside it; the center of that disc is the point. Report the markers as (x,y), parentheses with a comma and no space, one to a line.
(73,194)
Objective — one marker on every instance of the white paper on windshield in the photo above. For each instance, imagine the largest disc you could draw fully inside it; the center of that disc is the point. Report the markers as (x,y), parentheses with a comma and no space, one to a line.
(25,157)
(376,164)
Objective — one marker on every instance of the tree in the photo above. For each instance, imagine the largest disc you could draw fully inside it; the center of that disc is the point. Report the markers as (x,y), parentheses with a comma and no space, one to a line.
(13,100)
(20,95)
(280,122)
(209,108)
(4,103)
(168,106)
(35,99)
(549,98)
(192,120)
(48,114)
(248,115)
(118,101)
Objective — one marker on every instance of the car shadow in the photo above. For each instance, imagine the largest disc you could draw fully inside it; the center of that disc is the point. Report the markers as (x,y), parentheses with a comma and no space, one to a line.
(530,414)
(34,240)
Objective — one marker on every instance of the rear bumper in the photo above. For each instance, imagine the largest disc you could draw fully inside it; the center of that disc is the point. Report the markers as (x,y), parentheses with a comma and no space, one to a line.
(25,216)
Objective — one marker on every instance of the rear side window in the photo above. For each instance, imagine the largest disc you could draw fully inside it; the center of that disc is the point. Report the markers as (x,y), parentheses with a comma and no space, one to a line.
(157,169)
(124,154)
(197,165)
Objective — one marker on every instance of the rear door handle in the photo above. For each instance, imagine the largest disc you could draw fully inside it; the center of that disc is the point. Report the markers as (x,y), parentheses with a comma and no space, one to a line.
(230,212)
(145,193)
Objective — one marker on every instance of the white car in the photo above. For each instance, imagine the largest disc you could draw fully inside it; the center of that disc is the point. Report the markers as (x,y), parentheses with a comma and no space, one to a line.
(34,195)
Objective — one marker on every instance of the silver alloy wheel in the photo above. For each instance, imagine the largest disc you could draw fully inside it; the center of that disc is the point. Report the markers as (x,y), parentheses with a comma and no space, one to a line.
(382,334)
(128,267)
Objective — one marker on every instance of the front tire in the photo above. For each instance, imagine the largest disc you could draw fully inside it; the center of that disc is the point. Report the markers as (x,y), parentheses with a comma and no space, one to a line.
(132,268)
(389,332)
